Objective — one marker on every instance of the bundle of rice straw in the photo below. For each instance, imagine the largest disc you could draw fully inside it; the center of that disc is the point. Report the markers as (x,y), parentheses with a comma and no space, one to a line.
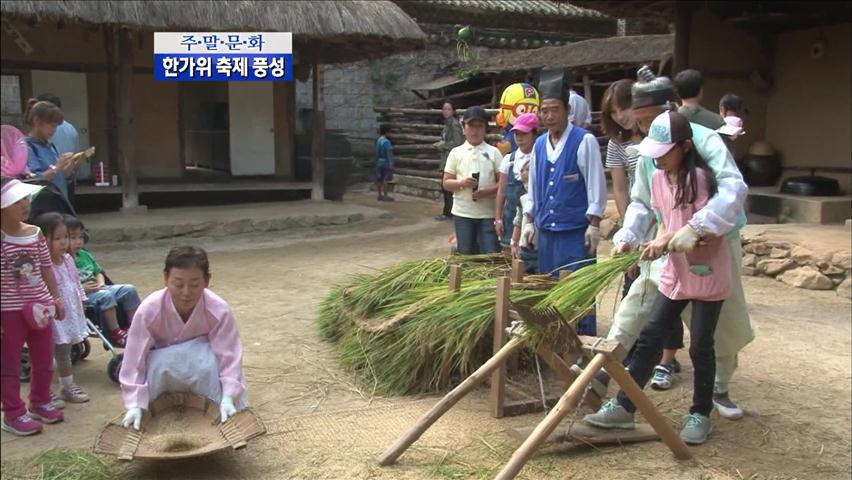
(405,332)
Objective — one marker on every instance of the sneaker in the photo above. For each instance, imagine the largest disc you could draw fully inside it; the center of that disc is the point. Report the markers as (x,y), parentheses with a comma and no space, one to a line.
(46,413)
(675,366)
(74,394)
(118,337)
(21,426)
(611,415)
(57,401)
(442,218)
(663,377)
(727,408)
(696,429)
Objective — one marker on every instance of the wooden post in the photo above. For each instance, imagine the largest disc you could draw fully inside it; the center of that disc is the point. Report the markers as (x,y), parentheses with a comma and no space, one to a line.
(587,92)
(318,140)
(455,278)
(501,321)
(129,192)
(566,404)
(498,360)
(517,270)
(644,405)
(683,24)
(494,98)
(111,97)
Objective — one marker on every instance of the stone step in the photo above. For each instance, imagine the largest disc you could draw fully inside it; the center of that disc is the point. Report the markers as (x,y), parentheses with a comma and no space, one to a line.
(417,186)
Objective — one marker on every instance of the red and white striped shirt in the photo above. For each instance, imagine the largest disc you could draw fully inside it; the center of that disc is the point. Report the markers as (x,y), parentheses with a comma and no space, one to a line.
(20,273)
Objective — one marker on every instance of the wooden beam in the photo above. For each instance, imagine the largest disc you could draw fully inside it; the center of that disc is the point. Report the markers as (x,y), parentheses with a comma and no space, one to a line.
(129,192)
(318,140)
(498,360)
(587,90)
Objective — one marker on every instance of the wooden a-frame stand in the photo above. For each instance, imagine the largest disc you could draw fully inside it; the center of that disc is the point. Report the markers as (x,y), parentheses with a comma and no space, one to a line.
(600,353)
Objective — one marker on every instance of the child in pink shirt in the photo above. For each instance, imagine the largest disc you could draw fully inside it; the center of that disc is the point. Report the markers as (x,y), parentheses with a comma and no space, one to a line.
(26,279)
(681,185)
(183,338)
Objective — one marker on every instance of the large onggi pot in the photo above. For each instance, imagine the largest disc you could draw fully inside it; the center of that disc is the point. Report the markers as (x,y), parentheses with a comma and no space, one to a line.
(337,155)
(762,165)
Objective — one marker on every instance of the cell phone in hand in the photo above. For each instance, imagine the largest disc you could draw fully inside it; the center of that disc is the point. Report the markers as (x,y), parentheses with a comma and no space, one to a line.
(475,177)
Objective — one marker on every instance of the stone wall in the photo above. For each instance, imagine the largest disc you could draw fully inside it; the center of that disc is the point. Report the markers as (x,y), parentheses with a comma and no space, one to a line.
(796,265)
(353,89)
(10,108)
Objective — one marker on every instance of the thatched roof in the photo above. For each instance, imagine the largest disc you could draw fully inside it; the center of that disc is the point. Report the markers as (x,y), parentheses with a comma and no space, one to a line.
(595,54)
(342,30)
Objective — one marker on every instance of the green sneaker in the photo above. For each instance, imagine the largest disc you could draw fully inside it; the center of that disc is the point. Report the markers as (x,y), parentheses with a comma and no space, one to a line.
(696,429)
(611,415)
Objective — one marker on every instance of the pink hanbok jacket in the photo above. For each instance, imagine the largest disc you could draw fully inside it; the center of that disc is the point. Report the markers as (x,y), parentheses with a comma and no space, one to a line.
(157,324)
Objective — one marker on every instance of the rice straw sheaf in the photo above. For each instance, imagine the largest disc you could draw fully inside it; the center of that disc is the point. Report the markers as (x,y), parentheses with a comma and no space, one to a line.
(576,294)
(404,331)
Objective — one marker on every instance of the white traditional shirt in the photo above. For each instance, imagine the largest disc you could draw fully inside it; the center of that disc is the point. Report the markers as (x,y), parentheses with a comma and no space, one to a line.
(588,162)
(722,214)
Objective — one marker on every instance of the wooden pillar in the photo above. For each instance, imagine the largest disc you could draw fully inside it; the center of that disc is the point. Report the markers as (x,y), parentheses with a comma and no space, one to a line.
(111,115)
(683,23)
(284,95)
(318,140)
(129,192)
(494,98)
(587,92)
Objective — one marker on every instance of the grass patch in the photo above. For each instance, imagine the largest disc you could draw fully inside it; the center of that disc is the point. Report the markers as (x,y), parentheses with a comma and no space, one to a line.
(61,464)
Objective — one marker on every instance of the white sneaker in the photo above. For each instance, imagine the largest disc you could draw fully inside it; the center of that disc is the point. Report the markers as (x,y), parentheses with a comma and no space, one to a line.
(663,378)
(727,408)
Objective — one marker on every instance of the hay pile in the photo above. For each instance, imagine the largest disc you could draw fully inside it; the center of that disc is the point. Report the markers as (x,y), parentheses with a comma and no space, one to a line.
(405,332)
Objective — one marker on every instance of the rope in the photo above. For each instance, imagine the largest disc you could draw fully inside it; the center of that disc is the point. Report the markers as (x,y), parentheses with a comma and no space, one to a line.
(541,385)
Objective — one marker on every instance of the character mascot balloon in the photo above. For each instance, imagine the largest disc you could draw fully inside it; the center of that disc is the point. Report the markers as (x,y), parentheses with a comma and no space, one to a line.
(517,98)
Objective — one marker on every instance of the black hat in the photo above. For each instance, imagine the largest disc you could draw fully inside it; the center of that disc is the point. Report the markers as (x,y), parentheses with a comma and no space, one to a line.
(476,113)
(555,83)
(650,90)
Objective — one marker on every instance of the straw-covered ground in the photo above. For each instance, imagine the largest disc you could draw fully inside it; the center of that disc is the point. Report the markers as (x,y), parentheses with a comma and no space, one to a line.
(794,381)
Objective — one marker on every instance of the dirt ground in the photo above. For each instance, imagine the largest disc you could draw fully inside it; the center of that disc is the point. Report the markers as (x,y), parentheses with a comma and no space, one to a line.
(793,380)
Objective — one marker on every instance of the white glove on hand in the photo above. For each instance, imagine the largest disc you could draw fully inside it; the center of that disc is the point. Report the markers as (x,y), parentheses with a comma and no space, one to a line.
(684,240)
(619,248)
(226,408)
(593,238)
(527,236)
(132,417)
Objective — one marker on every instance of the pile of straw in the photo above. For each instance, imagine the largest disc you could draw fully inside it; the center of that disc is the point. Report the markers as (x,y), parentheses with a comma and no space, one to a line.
(405,332)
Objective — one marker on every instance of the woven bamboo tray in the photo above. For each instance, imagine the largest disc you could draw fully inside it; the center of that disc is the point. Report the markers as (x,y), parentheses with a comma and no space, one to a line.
(177,426)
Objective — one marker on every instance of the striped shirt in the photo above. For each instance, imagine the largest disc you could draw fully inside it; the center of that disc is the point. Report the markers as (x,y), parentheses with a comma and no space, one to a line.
(617,157)
(20,276)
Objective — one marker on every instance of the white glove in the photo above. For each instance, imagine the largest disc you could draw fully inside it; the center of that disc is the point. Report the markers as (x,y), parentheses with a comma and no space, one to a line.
(622,247)
(593,238)
(527,236)
(684,240)
(132,417)
(226,408)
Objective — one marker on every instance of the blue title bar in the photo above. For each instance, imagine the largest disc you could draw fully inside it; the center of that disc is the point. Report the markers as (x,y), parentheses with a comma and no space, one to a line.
(235,67)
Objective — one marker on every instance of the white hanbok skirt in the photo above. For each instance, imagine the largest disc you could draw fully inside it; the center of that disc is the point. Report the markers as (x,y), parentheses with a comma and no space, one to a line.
(188,367)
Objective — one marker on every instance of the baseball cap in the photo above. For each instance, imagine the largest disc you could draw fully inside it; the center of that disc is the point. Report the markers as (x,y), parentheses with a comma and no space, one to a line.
(476,113)
(668,129)
(527,122)
(15,190)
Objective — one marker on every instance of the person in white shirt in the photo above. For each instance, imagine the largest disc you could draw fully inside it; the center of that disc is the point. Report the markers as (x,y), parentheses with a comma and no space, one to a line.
(567,188)
(471,173)
(579,113)
(510,186)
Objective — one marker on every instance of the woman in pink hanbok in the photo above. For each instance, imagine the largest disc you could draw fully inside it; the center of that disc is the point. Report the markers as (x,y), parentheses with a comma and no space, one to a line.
(183,338)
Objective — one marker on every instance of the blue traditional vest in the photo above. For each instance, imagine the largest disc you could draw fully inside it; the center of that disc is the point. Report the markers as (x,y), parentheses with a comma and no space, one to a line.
(561,200)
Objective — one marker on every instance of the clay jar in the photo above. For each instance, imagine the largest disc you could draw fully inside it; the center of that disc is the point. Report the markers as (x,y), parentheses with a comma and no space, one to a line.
(762,165)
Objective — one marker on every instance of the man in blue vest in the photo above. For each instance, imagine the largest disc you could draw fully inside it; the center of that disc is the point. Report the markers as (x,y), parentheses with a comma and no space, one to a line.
(567,187)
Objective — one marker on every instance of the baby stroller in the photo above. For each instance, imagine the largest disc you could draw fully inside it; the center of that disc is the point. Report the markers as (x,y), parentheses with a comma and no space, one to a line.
(50,199)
